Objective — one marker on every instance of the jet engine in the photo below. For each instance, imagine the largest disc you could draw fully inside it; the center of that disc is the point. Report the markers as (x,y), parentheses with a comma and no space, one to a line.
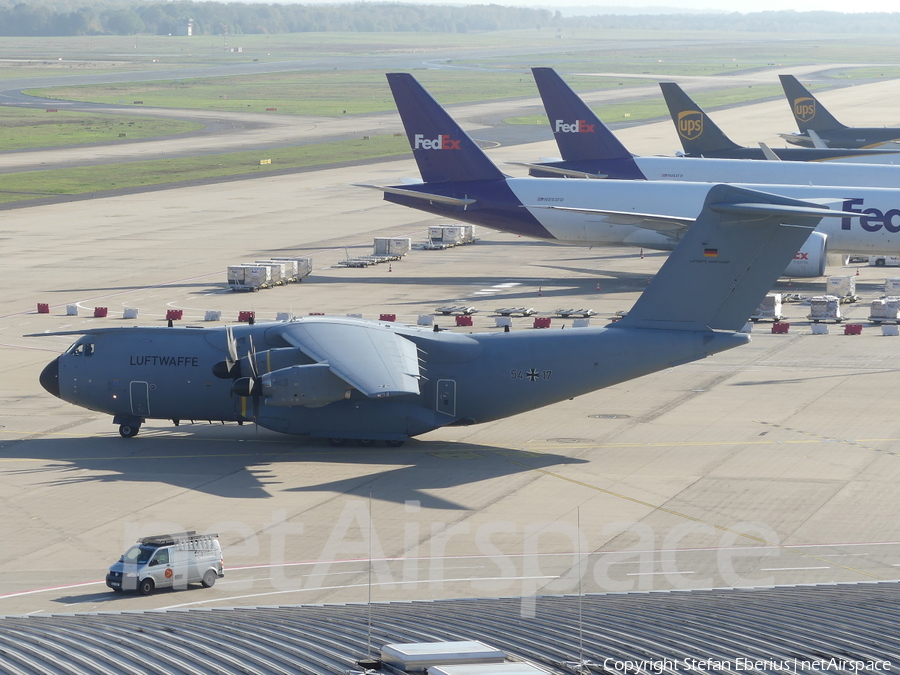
(311,385)
(809,261)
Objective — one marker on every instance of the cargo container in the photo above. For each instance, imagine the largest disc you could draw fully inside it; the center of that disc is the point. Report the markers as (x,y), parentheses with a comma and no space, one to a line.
(769,309)
(842,287)
(249,277)
(453,234)
(276,271)
(394,246)
(468,234)
(892,286)
(436,233)
(825,308)
(885,310)
(303,266)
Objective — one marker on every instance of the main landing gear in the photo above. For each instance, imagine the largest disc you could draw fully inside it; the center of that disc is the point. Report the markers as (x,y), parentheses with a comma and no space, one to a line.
(129,430)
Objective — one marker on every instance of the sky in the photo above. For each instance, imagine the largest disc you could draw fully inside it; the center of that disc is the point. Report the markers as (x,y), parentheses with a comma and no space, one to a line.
(714,5)
(575,7)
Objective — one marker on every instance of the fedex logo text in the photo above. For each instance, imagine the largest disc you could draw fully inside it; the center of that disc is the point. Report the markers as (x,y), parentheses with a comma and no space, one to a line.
(577,127)
(873,219)
(442,142)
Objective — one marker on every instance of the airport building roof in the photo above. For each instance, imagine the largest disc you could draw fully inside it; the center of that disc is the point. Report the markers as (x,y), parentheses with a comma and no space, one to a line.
(801,626)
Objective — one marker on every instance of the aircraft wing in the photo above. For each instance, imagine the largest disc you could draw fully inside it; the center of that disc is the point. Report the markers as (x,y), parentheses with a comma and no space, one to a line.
(374,359)
(649,221)
(416,194)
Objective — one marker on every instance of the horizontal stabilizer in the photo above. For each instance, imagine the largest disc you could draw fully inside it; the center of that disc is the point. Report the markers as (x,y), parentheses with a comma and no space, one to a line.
(453,201)
(370,357)
(726,262)
(560,171)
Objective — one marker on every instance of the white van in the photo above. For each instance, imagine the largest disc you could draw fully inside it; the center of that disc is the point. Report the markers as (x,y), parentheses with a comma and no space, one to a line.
(168,561)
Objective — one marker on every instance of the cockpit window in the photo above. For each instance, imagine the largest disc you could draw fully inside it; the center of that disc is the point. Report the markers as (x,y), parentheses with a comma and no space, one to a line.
(82,349)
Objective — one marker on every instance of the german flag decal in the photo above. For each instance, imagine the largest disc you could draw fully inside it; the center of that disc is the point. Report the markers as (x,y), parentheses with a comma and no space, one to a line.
(710,253)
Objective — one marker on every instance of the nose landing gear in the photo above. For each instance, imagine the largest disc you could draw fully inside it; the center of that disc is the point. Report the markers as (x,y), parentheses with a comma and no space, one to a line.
(129,425)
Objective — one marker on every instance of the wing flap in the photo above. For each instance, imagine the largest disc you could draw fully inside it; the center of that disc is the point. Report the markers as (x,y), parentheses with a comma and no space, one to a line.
(371,358)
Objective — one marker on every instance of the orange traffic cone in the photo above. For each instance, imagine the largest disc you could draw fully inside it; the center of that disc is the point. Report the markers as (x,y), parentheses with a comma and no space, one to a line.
(540,291)
(390,267)
(598,285)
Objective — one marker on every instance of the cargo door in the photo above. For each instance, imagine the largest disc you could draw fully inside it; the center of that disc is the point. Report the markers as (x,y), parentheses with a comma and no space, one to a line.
(446,397)
(140,399)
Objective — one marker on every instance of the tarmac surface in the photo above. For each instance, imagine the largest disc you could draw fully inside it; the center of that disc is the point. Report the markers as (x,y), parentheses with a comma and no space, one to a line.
(774,463)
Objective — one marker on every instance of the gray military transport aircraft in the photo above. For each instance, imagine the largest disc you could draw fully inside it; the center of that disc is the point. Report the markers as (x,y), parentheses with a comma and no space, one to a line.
(343,378)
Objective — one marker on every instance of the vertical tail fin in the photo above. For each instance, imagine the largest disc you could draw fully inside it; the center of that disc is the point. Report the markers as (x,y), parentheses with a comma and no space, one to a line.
(726,262)
(807,111)
(698,134)
(579,133)
(443,151)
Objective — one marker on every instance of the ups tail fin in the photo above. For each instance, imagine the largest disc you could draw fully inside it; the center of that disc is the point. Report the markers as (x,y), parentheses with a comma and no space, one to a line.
(579,133)
(443,151)
(740,244)
(807,111)
(698,134)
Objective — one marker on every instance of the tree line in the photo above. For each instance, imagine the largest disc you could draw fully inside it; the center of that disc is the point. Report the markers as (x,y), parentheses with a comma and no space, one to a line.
(213,18)
(123,17)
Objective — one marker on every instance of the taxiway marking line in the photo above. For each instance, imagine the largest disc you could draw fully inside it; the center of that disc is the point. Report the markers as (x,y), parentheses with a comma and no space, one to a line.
(693,518)
(788,569)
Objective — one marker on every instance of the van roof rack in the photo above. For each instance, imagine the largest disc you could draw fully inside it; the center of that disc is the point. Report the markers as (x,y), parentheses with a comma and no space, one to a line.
(169,539)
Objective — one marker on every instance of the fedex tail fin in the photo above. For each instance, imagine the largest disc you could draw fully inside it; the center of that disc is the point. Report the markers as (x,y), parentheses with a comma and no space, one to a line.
(443,151)
(808,112)
(698,134)
(579,133)
(727,261)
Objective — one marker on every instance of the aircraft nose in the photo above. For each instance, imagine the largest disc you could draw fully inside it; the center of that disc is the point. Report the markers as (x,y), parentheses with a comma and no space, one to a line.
(50,377)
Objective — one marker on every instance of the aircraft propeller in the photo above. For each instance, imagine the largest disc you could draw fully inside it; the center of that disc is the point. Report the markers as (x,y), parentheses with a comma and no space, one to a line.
(250,387)
(230,368)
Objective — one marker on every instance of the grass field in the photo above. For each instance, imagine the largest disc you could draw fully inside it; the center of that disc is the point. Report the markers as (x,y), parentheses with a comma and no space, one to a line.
(85,180)
(329,93)
(24,128)
(500,71)
(646,109)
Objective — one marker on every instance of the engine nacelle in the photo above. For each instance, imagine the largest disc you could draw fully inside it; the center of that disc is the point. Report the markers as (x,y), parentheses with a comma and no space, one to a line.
(312,386)
(809,261)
